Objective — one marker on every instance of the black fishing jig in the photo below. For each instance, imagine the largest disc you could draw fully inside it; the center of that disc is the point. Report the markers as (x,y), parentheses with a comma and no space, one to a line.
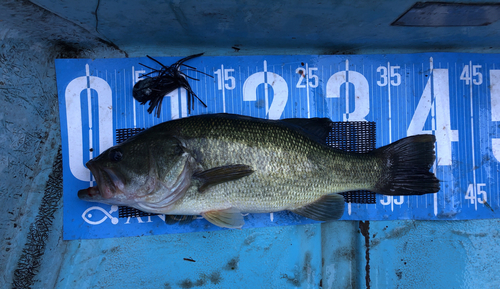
(168,79)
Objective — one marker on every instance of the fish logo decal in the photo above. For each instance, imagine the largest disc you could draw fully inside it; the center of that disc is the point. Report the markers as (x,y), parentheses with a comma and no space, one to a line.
(87,215)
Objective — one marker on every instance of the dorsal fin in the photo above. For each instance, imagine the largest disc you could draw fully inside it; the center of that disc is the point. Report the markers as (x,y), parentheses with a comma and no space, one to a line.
(318,127)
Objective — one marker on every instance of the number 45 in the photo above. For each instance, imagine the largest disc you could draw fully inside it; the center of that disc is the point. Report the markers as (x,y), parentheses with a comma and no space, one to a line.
(473,192)
(472,71)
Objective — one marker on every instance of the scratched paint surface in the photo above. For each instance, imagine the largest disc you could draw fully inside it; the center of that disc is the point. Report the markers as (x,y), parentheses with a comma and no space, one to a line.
(455,96)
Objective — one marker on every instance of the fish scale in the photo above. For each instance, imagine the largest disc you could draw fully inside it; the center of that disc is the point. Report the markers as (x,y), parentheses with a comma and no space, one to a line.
(285,177)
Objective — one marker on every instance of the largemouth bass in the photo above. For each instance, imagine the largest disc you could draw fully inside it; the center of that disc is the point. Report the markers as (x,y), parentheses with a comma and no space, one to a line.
(222,165)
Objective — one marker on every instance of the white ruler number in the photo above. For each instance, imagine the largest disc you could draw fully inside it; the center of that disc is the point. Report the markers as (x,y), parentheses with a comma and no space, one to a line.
(222,77)
(384,76)
(471,73)
(391,200)
(225,79)
(361,91)
(75,126)
(280,89)
(312,81)
(307,74)
(435,101)
(473,193)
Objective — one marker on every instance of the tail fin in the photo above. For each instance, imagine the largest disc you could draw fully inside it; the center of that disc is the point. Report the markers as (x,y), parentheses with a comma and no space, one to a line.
(407,167)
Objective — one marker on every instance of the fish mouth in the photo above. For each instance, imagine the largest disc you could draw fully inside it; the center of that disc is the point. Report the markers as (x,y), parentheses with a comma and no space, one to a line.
(106,181)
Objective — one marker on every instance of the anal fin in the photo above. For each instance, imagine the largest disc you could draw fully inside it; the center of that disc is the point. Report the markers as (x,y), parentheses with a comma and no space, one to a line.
(330,207)
(229,218)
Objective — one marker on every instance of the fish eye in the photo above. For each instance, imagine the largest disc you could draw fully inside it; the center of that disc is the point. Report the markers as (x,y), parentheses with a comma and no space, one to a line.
(115,154)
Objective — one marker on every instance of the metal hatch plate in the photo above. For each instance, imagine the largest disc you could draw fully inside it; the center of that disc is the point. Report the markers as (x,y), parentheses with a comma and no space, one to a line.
(440,14)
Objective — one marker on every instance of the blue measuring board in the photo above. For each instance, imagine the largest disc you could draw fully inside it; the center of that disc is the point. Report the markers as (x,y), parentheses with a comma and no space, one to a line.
(455,96)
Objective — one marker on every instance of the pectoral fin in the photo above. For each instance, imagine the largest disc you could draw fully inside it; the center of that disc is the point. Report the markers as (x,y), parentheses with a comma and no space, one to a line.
(228,218)
(329,207)
(221,174)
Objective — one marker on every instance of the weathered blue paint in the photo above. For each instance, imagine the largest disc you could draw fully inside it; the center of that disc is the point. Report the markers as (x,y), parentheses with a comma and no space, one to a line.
(254,258)
(262,27)
(411,254)
(437,254)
